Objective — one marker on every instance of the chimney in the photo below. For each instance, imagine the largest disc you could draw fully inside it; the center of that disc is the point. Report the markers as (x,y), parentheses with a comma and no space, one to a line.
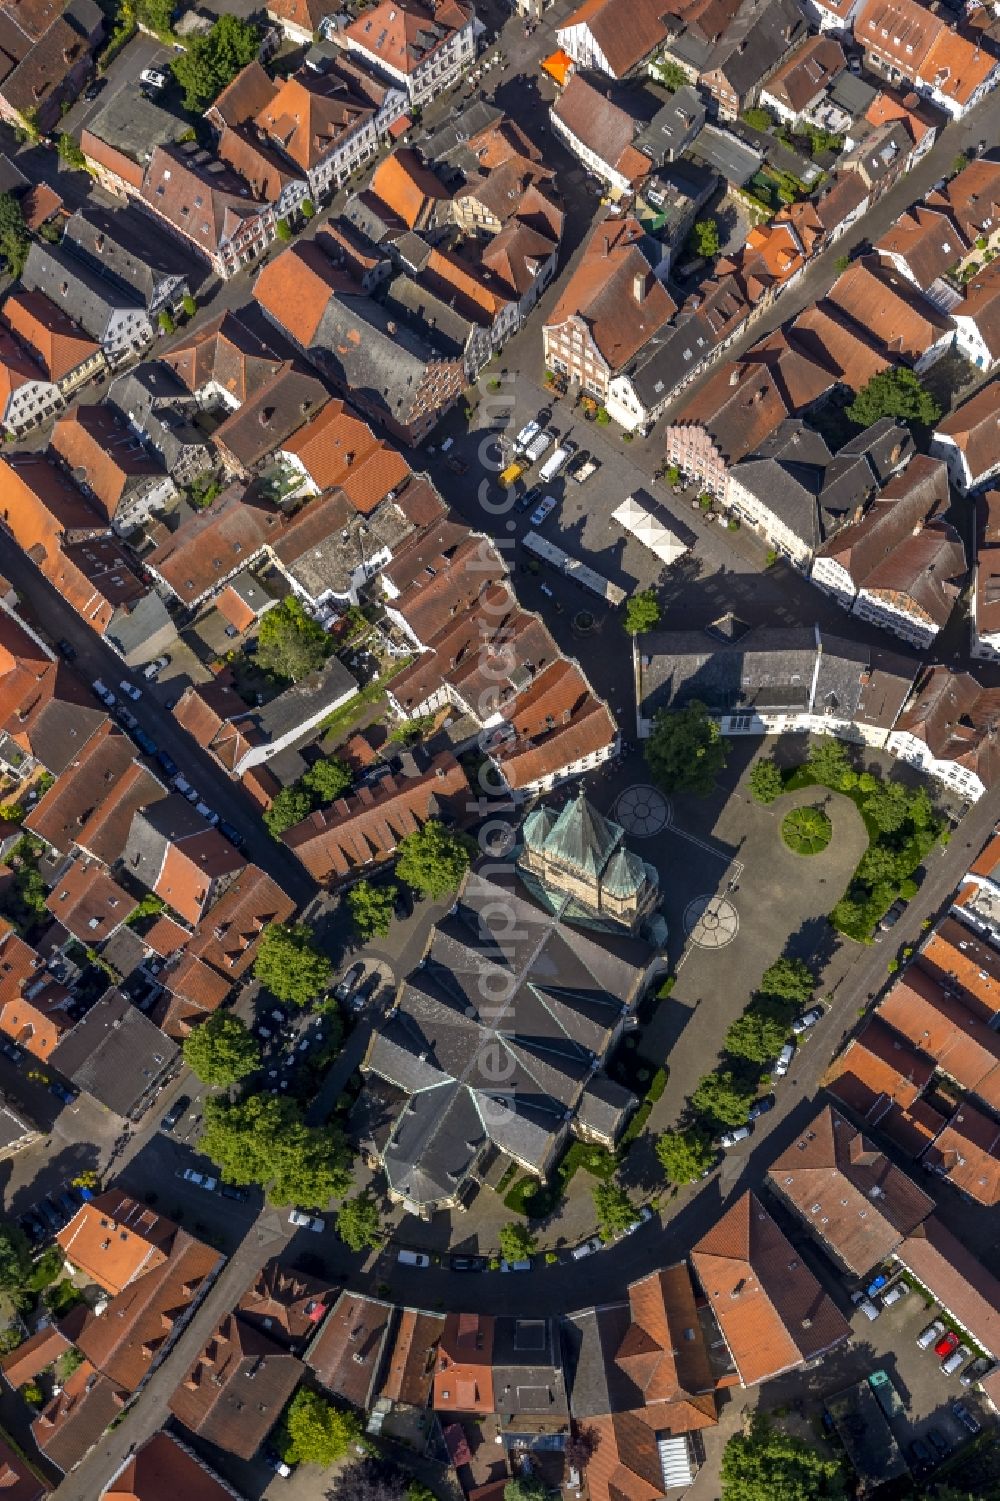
(734,376)
(638,286)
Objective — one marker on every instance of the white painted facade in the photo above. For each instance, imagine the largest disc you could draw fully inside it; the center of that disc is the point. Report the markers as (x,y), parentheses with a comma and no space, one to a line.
(616,181)
(970,342)
(833,578)
(434,74)
(961,476)
(31,403)
(752,510)
(914,751)
(891,615)
(986,647)
(580,44)
(564,774)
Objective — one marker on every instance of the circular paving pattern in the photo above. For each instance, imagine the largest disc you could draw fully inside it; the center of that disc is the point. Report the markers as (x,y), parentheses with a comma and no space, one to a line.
(711,921)
(643,811)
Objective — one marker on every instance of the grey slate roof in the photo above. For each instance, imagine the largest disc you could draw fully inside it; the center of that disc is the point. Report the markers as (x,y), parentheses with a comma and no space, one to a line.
(777,670)
(787,474)
(758,35)
(153,400)
(509,1069)
(155,828)
(61,730)
(735,160)
(115,1053)
(293,707)
(604,1105)
(673,125)
(366,351)
(597,1383)
(429,315)
(88,298)
(128,246)
(449,140)
(135,125)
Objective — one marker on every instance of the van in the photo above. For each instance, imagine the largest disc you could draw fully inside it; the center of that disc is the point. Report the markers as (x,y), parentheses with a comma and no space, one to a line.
(554,464)
(413,1258)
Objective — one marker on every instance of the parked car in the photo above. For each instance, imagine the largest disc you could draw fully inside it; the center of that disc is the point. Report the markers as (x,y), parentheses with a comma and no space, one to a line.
(645,1215)
(200,1180)
(144,742)
(930,1334)
(92,90)
(806,1020)
(34,1228)
(966,1417)
(232,834)
(152,670)
(920,1455)
(130,690)
(947,1343)
(234,1191)
(957,1358)
(167,762)
(152,78)
(349,982)
(938,1443)
(530,498)
(861,1300)
(64,1092)
(539,514)
(12,1051)
(305,1221)
(465,1263)
(48,1212)
(583,466)
(66,649)
(894,1294)
(413,1258)
(730,1138)
(403,904)
(761,1107)
(893,915)
(784,1062)
(175,1112)
(587,1248)
(979,1368)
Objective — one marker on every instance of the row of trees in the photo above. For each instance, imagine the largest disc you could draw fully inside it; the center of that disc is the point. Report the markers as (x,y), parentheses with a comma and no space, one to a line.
(723,1098)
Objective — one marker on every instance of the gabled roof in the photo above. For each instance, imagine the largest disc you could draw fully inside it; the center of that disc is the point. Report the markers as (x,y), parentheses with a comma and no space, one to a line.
(228,934)
(412,1357)
(773,1313)
(901,29)
(974,427)
(176,853)
(405,36)
(878,1069)
(967,1153)
(613,291)
(626,31)
(875,298)
(848,1192)
(346,1353)
(958,720)
(200,196)
(215,542)
(981,304)
(937,1023)
(956,65)
(972,198)
(114,1239)
(407,188)
(161,1470)
(603,126)
(225,353)
(959,958)
(103,456)
(59,344)
(237,1388)
(337,448)
(115,1053)
(87,902)
(926,240)
(962,1284)
(288,1305)
(463,1380)
(809,70)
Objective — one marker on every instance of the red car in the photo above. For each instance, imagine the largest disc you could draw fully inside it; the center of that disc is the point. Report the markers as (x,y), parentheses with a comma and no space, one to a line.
(946,1344)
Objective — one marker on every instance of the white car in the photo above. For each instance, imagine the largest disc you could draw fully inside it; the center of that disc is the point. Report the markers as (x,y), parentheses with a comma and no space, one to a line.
(153,669)
(130,690)
(806,1020)
(200,1180)
(645,1215)
(588,1248)
(784,1062)
(152,78)
(413,1258)
(730,1138)
(305,1221)
(543,510)
(861,1300)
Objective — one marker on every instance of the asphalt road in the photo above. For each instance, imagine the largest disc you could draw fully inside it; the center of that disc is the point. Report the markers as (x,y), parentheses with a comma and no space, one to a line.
(96,660)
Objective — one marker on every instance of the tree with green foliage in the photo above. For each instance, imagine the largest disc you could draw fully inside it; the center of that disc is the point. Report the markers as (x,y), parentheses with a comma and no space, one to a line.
(765,781)
(828,762)
(791,979)
(189,305)
(759,1034)
(314,1432)
(290,644)
(264,1139)
(757,119)
(359,1224)
(433,860)
(670,74)
(222,1050)
(526,1488)
(371,909)
(68,151)
(15,1258)
(283,230)
(328,779)
(14,240)
(764,1464)
(685,751)
(705,238)
(290,806)
(308,209)
(685,1155)
(642,612)
(165,319)
(288,963)
(613,1208)
(842,263)
(895,392)
(155,15)
(517,1243)
(213,60)
(888,806)
(409,731)
(723,1098)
